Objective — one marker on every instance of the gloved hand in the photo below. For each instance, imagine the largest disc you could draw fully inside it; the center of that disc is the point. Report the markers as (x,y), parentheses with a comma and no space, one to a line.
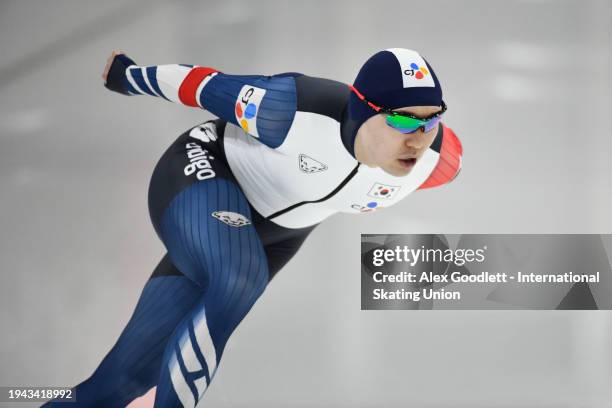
(114,71)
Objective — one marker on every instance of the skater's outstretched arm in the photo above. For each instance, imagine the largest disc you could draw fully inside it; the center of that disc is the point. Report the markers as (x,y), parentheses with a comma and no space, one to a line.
(263,106)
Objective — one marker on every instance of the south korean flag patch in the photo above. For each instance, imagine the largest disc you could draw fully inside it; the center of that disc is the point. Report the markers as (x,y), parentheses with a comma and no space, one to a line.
(231,218)
(385,191)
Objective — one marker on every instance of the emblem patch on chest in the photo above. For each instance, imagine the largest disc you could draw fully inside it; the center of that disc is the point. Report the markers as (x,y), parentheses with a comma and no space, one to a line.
(231,218)
(380,190)
(371,206)
(310,165)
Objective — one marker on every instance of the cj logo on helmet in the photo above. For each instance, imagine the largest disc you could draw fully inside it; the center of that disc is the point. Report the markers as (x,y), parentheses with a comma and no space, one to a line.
(416,71)
(247,107)
(413,68)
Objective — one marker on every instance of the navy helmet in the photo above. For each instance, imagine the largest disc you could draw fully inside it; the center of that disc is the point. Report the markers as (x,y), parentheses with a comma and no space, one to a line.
(392,79)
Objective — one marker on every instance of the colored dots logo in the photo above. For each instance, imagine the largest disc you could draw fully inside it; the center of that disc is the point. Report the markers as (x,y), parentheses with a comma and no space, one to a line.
(369,207)
(244,124)
(418,72)
(249,112)
(246,108)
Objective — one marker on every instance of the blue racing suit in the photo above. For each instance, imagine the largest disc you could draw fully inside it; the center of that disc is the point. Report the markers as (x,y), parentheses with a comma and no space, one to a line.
(232,200)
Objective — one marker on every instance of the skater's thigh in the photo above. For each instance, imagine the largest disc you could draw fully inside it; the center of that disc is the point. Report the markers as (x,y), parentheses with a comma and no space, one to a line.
(201,214)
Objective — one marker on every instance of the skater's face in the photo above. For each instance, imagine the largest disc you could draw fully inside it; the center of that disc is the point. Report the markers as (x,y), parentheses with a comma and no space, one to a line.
(380,145)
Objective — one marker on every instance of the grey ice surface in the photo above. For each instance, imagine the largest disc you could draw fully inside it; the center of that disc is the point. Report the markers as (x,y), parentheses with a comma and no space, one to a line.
(528,88)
